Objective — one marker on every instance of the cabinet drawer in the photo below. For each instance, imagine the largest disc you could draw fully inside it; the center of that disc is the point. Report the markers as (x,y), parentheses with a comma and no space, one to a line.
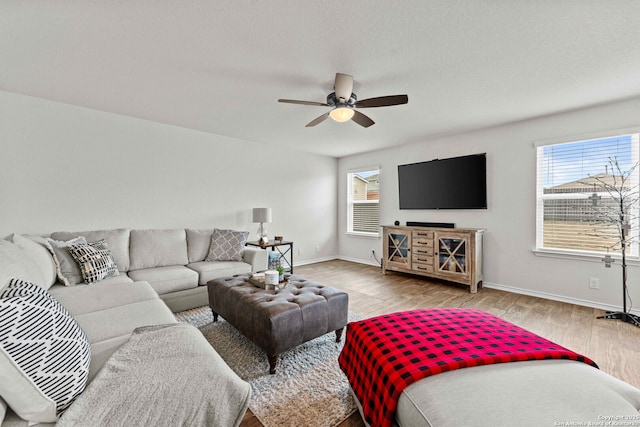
(424,234)
(418,266)
(422,251)
(425,259)
(422,238)
(422,242)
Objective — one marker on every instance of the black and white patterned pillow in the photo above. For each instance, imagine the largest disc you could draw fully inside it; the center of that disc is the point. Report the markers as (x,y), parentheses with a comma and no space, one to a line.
(227,245)
(95,260)
(44,354)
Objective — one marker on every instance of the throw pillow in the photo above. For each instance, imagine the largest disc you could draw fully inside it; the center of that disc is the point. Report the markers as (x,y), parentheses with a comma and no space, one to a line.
(44,354)
(227,245)
(67,268)
(95,260)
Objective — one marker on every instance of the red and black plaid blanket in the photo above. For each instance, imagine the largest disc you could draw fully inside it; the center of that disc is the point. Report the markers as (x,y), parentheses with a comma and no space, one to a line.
(385,354)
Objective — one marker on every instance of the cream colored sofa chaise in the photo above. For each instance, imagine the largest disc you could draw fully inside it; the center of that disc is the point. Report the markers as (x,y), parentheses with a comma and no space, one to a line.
(160,272)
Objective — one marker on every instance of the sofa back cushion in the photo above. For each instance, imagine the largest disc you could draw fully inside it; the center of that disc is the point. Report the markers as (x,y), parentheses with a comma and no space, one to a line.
(37,249)
(118,241)
(158,248)
(15,262)
(198,243)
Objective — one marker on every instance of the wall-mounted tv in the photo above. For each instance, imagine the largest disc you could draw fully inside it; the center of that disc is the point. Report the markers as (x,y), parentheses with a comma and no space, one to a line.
(454,183)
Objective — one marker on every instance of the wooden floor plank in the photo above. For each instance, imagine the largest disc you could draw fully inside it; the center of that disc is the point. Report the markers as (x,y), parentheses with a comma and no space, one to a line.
(614,345)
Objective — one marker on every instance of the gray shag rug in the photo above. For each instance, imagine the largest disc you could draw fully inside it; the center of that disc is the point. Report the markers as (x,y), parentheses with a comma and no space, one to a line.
(308,387)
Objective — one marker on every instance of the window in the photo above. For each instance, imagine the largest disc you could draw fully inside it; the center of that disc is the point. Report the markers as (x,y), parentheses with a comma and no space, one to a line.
(363,207)
(574,207)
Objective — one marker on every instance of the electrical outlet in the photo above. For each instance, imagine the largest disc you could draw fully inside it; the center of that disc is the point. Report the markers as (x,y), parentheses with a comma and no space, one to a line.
(594,283)
(317,249)
(299,251)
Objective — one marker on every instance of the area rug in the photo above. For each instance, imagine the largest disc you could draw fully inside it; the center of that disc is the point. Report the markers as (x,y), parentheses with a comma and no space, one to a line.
(308,387)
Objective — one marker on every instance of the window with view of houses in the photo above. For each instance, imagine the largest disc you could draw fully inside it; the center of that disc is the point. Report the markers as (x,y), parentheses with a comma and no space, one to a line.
(574,207)
(363,208)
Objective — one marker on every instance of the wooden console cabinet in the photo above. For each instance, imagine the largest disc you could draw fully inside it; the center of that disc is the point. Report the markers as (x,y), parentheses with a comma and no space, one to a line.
(453,254)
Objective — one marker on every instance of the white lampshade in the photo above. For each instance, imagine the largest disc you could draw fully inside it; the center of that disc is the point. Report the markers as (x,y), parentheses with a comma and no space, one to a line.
(261,214)
(341,114)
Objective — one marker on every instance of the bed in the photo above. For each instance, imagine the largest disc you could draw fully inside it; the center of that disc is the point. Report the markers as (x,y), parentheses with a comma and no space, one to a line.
(413,369)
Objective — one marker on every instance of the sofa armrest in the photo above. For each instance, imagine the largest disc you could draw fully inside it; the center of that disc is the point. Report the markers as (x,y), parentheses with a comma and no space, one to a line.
(256,257)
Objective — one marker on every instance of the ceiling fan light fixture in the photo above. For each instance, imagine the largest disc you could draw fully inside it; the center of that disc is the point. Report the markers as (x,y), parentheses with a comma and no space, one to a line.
(341,114)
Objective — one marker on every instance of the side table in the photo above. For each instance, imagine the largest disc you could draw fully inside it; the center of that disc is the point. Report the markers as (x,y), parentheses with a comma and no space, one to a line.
(284,248)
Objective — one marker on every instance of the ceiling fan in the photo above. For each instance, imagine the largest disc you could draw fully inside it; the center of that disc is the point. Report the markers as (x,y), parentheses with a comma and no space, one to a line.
(345,102)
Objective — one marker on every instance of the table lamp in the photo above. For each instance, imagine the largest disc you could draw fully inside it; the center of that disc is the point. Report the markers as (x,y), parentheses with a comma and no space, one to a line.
(262,215)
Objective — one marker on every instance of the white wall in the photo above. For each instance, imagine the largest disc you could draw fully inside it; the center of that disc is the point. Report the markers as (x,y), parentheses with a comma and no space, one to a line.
(509,262)
(68,168)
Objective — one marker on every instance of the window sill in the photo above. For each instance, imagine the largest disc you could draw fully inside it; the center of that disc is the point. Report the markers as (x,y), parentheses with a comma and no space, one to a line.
(366,235)
(579,256)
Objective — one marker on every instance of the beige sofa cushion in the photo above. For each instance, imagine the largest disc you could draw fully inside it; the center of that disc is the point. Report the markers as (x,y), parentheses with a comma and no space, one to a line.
(158,248)
(84,299)
(17,263)
(167,279)
(118,241)
(209,270)
(198,244)
(36,248)
(122,320)
(3,409)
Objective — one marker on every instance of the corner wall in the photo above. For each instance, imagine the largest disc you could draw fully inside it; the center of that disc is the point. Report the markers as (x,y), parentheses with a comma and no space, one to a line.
(510,220)
(70,168)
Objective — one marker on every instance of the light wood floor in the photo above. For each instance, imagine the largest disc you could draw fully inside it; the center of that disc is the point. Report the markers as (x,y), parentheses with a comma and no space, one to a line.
(614,345)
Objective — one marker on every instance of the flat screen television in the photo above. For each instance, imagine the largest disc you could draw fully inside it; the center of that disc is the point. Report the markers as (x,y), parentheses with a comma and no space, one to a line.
(454,183)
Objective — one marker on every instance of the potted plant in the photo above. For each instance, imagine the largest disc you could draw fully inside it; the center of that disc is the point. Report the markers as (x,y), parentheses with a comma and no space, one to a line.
(280,273)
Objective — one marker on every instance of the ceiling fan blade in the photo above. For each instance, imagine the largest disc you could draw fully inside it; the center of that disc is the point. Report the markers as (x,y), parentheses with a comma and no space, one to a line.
(382,101)
(317,120)
(361,119)
(343,86)
(294,101)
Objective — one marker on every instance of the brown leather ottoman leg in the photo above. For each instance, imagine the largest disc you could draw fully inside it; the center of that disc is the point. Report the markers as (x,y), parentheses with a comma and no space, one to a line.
(339,334)
(272,364)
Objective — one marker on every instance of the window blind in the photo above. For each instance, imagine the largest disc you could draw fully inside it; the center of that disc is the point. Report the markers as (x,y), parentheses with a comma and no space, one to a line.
(574,201)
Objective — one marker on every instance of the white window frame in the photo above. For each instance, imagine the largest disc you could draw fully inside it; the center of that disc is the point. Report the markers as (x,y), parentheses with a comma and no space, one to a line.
(540,250)
(351,202)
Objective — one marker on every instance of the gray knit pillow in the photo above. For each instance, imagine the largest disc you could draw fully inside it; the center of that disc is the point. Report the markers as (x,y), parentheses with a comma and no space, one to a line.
(67,268)
(227,245)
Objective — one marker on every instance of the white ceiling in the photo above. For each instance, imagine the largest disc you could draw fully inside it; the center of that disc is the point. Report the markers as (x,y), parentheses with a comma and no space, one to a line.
(220,66)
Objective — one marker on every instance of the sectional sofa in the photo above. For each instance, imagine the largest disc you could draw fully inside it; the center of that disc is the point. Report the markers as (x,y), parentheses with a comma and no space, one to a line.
(158,272)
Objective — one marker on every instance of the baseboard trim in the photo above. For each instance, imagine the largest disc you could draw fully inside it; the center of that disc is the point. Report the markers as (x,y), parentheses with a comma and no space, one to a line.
(512,289)
(554,297)
(314,260)
(359,261)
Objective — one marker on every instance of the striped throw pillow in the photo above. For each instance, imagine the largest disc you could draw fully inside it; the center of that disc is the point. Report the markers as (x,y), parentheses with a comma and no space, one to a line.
(95,260)
(44,354)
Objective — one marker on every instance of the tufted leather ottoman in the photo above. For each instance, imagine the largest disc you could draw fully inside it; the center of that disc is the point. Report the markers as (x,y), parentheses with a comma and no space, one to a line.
(277,320)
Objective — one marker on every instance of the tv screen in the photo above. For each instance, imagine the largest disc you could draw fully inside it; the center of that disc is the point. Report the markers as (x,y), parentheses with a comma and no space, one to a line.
(454,183)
